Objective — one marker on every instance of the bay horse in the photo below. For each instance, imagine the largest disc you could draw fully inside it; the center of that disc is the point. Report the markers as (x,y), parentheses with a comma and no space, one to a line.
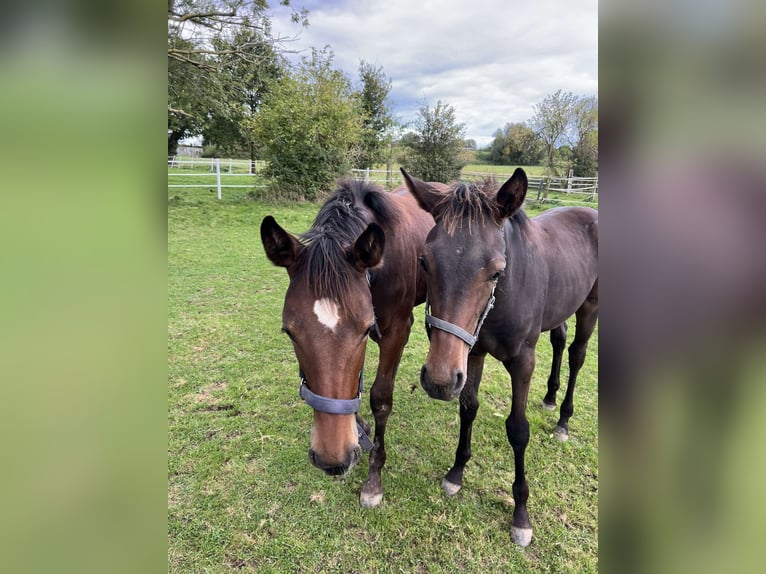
(353,275)
(496,280)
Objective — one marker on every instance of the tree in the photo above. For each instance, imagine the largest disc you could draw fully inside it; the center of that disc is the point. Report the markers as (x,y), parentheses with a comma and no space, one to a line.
(192,94)
(585,131)
(194,24)
(245,82)
(516,144)
(376,114)
(433,151)
(204,38)
(551,120)
(309,129)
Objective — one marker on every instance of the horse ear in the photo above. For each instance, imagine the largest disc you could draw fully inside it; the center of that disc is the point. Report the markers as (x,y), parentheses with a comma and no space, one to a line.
(426,195)
(282,249)
(367,250)
(511,195)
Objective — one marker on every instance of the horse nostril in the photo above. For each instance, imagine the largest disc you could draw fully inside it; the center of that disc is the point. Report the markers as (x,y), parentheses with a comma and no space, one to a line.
(459,380)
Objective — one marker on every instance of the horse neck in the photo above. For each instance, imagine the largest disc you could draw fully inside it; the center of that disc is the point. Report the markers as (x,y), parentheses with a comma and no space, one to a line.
(519,240)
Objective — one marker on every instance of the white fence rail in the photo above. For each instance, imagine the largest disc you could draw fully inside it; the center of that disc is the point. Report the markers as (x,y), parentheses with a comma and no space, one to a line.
(583,186)
(574,186)
(215,168)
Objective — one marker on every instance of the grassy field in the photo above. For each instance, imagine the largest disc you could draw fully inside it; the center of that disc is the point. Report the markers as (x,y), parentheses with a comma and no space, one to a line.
(241,492)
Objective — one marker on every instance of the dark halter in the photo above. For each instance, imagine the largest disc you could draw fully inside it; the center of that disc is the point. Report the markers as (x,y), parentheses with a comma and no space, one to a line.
(453,329)
(339,406)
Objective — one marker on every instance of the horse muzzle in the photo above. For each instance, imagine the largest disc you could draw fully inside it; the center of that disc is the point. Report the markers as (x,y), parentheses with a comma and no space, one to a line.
(336,468)
(446,387)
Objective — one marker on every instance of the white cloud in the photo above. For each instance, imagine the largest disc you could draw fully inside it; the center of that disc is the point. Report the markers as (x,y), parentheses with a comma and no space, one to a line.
(492,60)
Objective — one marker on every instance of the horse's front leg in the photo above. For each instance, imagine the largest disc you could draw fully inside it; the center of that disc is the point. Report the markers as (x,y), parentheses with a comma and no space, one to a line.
(517,429)
(469,405)
(381,401)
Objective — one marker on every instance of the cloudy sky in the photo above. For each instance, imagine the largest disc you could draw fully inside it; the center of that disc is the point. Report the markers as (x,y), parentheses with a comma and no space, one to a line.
(492,60)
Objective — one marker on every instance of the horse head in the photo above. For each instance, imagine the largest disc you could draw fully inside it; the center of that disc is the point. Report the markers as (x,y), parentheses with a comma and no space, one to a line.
(328,316)
(464,258)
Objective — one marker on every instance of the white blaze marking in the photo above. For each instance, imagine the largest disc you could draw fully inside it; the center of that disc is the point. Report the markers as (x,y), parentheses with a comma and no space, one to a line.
(327,313)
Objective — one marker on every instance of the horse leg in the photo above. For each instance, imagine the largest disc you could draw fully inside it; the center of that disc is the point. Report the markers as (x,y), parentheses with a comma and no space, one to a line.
(381,401)
(517,430)
(586,315)
(558,342)
(469,405)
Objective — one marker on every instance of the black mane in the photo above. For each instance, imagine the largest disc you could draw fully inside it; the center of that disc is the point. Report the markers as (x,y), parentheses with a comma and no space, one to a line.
(342,218)
(468,203)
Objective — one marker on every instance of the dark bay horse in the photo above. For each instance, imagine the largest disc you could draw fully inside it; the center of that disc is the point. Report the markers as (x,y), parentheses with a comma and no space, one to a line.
(354,274)
(496,280)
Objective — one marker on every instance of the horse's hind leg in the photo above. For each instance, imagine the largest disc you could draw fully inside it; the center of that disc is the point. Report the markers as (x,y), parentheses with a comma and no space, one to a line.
(558,342)
(586,315)
(381,401)
(469,405)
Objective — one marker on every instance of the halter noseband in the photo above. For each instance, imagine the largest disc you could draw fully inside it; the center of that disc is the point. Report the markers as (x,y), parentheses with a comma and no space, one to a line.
(337,406)
(453,329)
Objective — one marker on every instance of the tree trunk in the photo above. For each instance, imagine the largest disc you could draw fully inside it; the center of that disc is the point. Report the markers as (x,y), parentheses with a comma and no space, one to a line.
(173,138)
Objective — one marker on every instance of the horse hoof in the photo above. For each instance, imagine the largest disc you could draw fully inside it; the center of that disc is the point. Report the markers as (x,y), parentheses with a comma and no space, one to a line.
(370,500)
(561,433)
(521,536)
(450,488)
(549,406)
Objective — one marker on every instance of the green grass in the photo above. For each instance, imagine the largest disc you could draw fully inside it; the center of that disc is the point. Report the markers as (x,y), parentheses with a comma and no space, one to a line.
(241,492)
(507,170)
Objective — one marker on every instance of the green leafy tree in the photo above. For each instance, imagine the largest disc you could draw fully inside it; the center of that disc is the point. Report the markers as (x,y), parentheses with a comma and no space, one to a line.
(516,144)
(585,128)
(434,150)
(377,121)
(310,127)
(245,82)
(551,120)
(209,43)
(193,94)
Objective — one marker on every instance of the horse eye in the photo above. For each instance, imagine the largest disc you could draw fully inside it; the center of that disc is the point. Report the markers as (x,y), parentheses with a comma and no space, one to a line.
(423,263)
(497,275)
(288,333)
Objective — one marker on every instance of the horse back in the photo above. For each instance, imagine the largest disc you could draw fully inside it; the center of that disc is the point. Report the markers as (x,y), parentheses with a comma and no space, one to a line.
(567,240)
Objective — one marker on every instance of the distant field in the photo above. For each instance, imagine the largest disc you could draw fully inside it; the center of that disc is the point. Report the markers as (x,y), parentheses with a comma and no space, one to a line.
(241,492)
(503,169)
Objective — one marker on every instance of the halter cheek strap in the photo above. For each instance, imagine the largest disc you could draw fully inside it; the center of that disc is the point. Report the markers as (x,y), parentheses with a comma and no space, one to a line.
(453,329)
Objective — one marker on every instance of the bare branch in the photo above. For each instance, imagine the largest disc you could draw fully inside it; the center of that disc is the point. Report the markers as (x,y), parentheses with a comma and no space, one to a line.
(199,15)
(172,53)
(179,112)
